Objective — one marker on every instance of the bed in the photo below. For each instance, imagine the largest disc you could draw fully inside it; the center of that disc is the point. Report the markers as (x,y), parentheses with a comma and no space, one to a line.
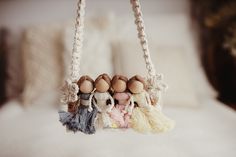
(30,127)
(206,131)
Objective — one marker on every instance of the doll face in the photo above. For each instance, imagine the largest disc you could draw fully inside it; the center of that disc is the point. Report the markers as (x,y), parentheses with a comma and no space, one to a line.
(119,86)
(102,86)
(136,87)
(86,87)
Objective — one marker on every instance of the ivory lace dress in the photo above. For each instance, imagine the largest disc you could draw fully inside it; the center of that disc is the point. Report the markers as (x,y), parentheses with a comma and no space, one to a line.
(146,117)
(104,103)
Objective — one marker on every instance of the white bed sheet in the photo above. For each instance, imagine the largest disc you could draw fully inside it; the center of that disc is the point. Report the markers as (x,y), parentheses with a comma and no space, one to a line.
(202,132)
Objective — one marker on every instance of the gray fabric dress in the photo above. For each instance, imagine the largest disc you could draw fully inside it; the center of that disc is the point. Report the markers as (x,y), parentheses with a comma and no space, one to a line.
(69,120)
(86,119)
(83,120)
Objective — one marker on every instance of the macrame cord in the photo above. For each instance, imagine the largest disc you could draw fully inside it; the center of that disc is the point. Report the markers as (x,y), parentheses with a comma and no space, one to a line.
(70,89)
(78,41)
(154,81)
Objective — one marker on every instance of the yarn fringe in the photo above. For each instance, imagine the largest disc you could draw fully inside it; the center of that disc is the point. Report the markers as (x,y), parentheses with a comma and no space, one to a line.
(158,121)
(139,121)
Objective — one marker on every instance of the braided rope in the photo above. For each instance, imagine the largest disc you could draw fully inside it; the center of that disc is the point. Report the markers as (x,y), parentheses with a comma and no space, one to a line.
(78,41)
(142,36)
(70,89)
(153,80)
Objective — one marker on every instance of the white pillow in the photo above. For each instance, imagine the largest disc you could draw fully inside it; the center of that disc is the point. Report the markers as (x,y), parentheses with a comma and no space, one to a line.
(170,37)
(42,58)
(97,55)
(47,56)
(169,61)
(169,31)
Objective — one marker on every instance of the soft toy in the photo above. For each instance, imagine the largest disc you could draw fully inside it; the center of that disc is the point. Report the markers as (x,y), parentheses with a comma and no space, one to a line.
(82,113)
(87,112)
(123,108)
(103,100)
(145,117)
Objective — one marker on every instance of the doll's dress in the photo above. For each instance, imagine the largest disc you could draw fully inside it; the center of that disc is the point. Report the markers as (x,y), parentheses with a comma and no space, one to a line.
(139,120)
(157,121)
(86,115)
(67,119)
(100,100)
(121,112)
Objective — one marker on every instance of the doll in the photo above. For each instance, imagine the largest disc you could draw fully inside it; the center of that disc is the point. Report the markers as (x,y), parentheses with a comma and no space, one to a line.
(145,117)
(103,100)
(87,111)
(81,114)
(123,109)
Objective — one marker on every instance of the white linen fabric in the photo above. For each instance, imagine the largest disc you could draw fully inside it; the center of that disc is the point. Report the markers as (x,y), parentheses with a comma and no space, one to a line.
(206,131)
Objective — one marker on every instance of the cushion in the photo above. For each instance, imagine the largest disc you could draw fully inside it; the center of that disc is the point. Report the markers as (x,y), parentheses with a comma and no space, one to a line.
(169,61)
(173,52)
(47,56)
(42,57)
(96,55)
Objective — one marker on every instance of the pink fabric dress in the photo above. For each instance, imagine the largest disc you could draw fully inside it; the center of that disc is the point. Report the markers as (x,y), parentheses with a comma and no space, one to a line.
(121,113)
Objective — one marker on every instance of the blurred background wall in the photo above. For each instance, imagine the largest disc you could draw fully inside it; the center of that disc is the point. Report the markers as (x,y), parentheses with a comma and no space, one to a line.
(34,11)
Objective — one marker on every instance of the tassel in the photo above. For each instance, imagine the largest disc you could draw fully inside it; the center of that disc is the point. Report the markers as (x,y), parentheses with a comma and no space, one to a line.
(139,122)
(65,117)
(158,121)
(117,118)
(70,120)
(73,124)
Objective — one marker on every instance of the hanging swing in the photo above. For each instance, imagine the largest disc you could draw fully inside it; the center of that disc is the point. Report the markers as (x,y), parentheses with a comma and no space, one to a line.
(113,103)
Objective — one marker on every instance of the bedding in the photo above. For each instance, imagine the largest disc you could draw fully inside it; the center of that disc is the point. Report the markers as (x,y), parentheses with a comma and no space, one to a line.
(36,132)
